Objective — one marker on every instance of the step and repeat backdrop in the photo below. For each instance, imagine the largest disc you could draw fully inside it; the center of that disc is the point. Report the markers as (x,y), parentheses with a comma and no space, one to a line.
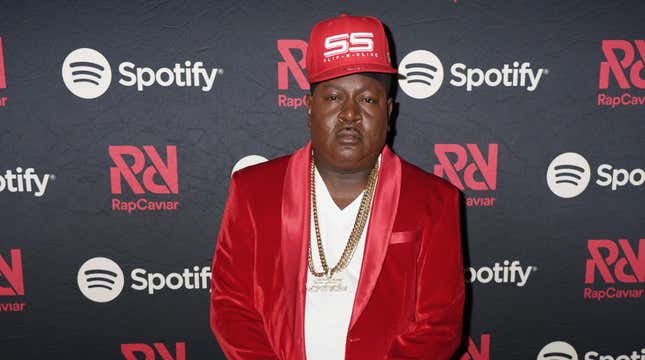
(121,123)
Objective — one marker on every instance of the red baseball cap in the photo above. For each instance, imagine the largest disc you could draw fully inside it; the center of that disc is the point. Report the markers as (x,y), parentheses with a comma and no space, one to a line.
(347,45)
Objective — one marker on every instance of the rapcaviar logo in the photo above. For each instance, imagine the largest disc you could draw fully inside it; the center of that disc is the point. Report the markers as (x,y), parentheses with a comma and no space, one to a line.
(569,174)
(467,167)
(158,177)
(3,77)
(624,62)
(87,74)
(11,280)
(150,352)
(560,350)
(248,161)
(619,265)
(506,272)
(100,279)
(420,66)
(25,181)
(475,353)
(293,54)
(421,74)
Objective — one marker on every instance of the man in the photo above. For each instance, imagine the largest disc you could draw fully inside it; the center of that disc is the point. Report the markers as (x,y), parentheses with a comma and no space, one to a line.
(341,250)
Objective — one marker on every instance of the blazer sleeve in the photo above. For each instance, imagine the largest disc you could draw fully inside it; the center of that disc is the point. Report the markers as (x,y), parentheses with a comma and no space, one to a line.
(436,332)
(234,320)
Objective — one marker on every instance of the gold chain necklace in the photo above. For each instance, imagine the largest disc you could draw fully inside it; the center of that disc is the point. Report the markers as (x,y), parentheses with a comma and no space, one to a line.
(357,230)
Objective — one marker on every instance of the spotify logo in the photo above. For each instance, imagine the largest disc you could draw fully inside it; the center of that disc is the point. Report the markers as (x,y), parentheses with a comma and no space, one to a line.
(86,73)
(100,279)
(568,175)
(558,350)
(422,74)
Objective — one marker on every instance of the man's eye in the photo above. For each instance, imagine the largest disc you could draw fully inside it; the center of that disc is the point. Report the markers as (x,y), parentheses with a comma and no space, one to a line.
(369,100)
(332,97)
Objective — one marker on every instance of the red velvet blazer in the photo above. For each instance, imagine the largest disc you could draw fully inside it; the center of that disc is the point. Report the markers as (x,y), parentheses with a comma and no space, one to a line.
(410,296)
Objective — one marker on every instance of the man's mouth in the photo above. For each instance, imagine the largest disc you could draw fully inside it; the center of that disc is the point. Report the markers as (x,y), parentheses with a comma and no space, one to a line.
(348,136)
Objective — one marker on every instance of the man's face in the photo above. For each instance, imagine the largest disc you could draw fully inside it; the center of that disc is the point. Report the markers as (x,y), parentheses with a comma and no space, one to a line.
(348,118)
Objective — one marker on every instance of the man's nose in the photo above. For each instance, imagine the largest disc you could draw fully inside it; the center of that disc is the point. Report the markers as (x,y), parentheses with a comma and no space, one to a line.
(351,111)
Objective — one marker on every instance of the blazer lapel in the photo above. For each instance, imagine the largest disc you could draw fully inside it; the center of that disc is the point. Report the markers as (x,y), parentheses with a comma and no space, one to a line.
(294,240)
(383,213)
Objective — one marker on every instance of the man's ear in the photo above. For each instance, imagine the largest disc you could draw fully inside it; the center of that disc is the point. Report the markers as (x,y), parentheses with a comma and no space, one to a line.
(308,102)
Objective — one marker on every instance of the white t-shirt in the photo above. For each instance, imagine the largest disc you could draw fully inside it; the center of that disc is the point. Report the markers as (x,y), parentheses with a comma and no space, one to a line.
(327,313)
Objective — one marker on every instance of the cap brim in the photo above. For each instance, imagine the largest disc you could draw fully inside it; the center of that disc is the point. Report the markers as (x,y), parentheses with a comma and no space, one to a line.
(353,69)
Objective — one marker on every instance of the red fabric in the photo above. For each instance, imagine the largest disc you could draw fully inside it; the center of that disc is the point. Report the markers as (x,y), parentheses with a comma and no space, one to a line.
(404,309)
(346,45)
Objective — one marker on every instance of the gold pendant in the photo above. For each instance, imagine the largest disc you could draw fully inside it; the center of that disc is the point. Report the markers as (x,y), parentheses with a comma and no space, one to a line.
(327,284)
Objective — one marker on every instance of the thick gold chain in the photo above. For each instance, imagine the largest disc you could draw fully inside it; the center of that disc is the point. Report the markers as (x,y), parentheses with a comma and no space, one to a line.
(357,230)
